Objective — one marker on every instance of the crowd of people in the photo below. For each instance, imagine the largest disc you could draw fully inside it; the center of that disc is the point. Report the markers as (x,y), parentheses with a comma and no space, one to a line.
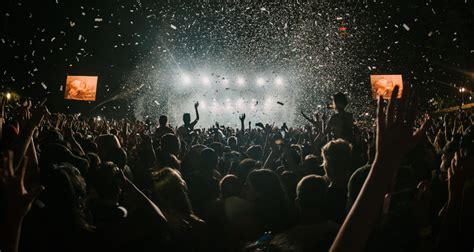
(70,183)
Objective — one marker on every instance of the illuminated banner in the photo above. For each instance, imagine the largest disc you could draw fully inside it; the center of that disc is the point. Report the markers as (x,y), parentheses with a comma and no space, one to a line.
(81,88)
(383,85)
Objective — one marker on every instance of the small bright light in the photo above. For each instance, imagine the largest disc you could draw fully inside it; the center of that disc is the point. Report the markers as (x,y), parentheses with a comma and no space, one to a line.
(186,79)
(240,81)
(260,81)
(205,80)
(279,81)
(9,96)
(98,118)
(462,90)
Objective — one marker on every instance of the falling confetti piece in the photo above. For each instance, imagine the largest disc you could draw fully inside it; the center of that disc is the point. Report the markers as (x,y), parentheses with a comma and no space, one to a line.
(406,27)
(44,85)
(174,27)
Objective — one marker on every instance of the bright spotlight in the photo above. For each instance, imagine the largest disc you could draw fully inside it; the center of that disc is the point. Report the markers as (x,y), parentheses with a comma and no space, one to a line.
(186,79)
(279,81)
(205,80)
(260,81)
(9,96)
(462,90)
(240,81)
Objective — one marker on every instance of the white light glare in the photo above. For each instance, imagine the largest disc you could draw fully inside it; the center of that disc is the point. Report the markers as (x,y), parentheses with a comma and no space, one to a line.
(260,81)
(205,80)
(186,79)
(240,81)
(279,81)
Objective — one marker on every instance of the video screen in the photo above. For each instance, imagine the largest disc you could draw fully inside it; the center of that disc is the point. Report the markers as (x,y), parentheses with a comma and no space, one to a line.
(383,85)
(81,88)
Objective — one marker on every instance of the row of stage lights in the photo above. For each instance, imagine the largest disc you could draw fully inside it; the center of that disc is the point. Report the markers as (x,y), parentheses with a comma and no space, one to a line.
(228,105)
(240,81)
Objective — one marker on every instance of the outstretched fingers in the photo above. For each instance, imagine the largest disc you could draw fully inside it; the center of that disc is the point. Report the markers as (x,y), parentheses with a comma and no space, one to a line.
(392,106)
(404,103)
(380,115)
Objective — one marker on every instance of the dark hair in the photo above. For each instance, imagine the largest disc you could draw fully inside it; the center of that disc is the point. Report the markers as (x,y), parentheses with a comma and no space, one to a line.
(163,120)
(270,205)
(186,118)
(170,191)
(311,191)
(340,100)
(230,186)
(106,180)
(118,156)
(170,143)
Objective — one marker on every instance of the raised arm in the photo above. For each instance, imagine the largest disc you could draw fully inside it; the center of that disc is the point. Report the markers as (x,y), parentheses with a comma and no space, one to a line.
(196,106)
(27,132)
(242,122)
(17,201)
(394,139)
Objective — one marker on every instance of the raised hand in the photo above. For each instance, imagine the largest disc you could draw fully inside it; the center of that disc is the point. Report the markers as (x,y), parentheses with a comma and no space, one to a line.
(242,117)
(395,136)
(39,113)
(196,105)
(18,199)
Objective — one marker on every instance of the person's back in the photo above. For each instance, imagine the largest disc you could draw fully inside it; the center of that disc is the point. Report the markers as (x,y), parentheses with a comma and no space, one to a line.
(340,125)
(337,156)
(315,232)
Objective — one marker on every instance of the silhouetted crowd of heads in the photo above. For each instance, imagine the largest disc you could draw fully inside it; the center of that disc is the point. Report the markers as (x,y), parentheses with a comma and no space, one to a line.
(82,184)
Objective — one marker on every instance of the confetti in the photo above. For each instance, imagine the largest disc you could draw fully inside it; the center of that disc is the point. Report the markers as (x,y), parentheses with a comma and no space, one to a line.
(406,27)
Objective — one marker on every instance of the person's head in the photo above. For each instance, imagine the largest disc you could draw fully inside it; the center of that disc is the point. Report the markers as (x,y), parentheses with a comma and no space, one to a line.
(289,180)
(311,193)
(245,167)
(312,165)
(169,191)
(163,120)
(218,148)
(106,143)
(264,190)
(106,181)
(186,118)
(232,142)
(118,156)
(231,186)
(54,153)
(337,161)
(264,185)
(340,101)
(170,143)
(209,159)
(255,152)
(65,196)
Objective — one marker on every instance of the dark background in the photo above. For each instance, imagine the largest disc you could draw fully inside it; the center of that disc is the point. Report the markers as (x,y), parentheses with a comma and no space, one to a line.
(136,46)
